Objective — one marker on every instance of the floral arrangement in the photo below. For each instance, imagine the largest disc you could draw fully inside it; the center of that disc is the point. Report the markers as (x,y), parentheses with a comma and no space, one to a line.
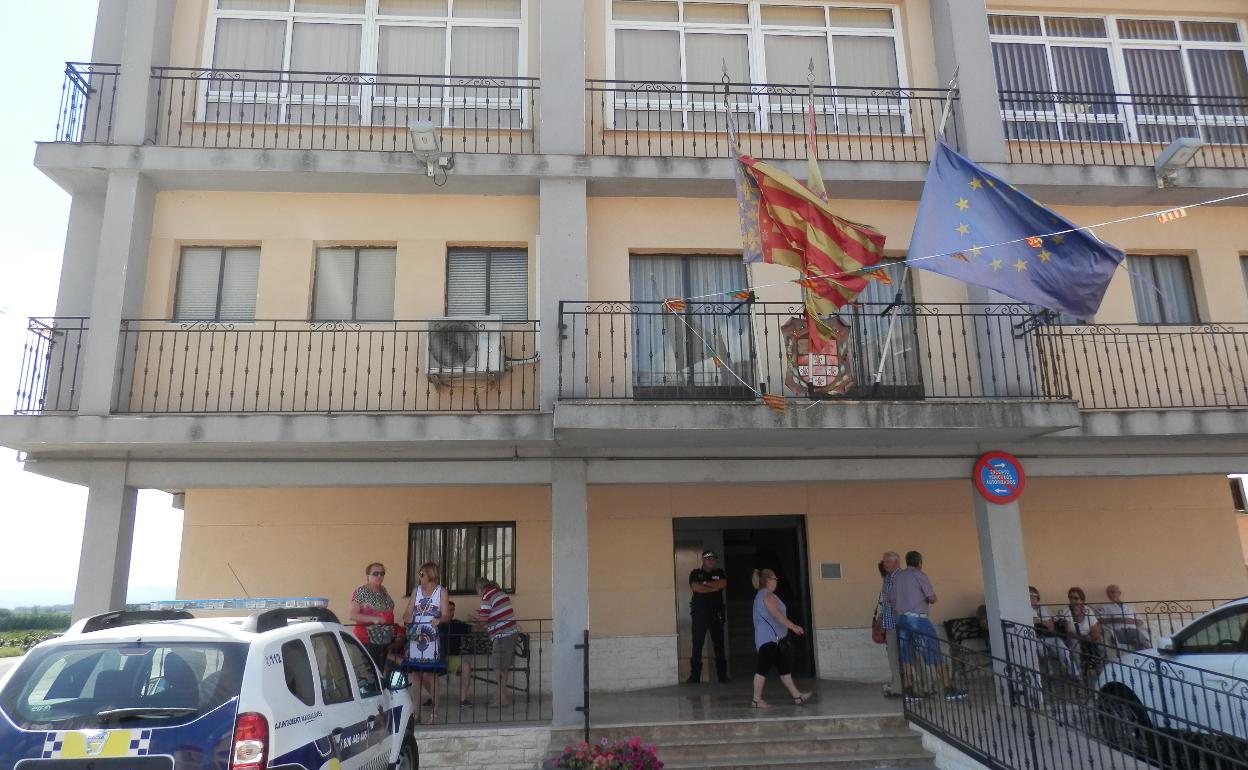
(609,755)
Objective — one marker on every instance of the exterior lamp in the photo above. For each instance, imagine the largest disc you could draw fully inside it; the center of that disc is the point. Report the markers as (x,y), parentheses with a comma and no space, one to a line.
(1176,156)
(426,146)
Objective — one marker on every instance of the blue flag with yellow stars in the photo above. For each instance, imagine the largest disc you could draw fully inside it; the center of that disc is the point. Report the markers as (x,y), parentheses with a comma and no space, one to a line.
(965,210)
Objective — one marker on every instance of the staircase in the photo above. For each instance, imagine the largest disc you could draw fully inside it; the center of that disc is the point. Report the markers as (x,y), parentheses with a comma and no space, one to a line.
(797,743)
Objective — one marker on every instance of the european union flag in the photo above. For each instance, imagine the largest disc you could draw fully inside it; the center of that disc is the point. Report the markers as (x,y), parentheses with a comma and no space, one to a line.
(965,209)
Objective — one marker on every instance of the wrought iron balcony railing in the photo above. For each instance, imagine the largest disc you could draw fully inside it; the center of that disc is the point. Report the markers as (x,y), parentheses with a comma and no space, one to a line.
(439,365)
(678,119)
(738,351)
(1123,129)
(51,373)
(86,109)
(272,109)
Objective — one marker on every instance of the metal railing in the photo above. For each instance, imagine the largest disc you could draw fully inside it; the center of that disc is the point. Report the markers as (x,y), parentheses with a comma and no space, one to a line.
(1136,366)
(470,693)
(738,351)
(1123,129)
(680,119)
(88,94)
(1030,712)
(1134,625)
(51,373)
(327,366)
(274,109)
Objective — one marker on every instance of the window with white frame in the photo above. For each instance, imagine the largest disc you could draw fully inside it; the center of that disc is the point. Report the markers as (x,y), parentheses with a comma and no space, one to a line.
(483,282)
(1161,286)
(1174,77)
(416,49)
(690,43)
(354,284)
(217,283)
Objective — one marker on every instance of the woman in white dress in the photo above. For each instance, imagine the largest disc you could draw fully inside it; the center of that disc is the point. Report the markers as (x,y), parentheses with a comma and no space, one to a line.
(425,659)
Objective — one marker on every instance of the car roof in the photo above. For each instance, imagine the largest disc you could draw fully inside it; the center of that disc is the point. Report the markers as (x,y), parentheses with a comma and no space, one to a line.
(219,629)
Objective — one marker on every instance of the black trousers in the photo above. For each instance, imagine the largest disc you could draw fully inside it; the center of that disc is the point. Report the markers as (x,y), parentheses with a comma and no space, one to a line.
(706,621)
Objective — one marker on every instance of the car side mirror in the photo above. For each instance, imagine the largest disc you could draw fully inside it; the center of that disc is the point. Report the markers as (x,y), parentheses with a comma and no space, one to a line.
(397,681)
(1165,646)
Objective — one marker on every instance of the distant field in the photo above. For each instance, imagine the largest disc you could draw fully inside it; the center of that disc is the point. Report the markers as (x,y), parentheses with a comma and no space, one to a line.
(13,643)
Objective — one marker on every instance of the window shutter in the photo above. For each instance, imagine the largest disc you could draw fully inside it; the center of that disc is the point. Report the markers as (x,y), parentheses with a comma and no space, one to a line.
(239,282)
(466,282)
(198,273)
(374,287)
(509,285)
(335,283)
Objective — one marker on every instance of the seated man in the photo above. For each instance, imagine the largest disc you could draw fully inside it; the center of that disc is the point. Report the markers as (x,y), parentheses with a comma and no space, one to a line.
(1123,622)
(1046,631)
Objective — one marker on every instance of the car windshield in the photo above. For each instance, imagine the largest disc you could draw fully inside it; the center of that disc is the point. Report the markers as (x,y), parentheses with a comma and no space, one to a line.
(77,686)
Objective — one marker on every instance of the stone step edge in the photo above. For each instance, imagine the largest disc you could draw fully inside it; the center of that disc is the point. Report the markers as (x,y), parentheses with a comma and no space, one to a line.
(743,720)
(741,740)
(876,761)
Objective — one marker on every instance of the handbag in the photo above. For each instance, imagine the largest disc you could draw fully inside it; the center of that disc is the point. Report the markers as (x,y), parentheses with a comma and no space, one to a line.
(878,634)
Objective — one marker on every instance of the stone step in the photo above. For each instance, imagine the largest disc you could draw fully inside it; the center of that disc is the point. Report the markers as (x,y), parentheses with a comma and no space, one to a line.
(849,744)
(892,760)
(769,728)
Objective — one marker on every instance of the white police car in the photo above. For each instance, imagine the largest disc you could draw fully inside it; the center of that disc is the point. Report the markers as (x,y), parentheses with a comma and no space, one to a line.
(163,690)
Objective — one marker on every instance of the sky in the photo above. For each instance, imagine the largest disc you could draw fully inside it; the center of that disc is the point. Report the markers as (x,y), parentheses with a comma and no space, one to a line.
(41,519)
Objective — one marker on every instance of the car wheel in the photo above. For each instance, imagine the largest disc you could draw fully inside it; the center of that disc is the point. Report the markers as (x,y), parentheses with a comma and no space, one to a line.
(1125,723)
(409,756)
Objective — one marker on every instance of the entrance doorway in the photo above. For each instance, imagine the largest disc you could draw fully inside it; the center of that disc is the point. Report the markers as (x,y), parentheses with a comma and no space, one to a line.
(744,543)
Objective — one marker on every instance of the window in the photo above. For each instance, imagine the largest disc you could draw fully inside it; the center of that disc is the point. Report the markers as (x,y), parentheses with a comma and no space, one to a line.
(354,284)
(1221,633)
(1162,288)
(463,553)
(216,284)
(1092,58)
(362,665)
(297,668)
(481,282)
(868,332)
(335,686)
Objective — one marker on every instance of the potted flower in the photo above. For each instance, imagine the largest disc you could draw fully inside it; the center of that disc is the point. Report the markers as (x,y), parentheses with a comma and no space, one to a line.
(606,755)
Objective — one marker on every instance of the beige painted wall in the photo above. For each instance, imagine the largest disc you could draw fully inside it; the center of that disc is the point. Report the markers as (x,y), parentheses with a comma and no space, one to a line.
(1157,537)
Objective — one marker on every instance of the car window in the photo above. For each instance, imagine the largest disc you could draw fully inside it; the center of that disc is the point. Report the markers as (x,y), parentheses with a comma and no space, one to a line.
(362,665)
(1220,633)
(65,687)
(297,667)
(335,686)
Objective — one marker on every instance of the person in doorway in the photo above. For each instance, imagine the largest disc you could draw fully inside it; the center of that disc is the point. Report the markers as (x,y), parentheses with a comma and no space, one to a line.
(1120,619)
(454,632)
(499,620)
(707,610)
(770,615)
(372,612)
(889,566)
(428,608)
(912,595)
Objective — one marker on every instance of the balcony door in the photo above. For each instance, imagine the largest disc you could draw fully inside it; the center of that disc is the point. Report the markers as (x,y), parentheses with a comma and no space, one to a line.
(703,350)
(869,334)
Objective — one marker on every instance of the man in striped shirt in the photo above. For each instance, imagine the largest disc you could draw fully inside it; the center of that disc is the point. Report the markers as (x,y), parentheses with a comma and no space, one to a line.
(500,622)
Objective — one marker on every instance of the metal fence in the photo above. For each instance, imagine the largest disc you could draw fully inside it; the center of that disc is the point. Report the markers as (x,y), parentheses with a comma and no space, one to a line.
(1134,625)
(1028,712)
(88,94)
(738,351)
(1136,366)
(1123,129)
(682,119)
(273,109)
(51,372)
(436,365)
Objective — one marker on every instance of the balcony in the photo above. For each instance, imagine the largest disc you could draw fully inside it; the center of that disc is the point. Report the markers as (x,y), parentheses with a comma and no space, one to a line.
(687,120)
(1099,129)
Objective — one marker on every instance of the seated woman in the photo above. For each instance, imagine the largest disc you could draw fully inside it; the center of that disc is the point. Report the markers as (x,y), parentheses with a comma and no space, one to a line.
(1046,631)
(1082,628)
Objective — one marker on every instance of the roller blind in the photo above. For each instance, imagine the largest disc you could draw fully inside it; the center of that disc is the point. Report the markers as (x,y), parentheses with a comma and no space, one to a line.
(355,284)
(216,283)
(482,282)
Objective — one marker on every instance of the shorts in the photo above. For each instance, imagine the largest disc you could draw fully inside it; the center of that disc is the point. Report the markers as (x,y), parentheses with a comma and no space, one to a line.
(773,654)
(454,663)
(503,652)
(917,632)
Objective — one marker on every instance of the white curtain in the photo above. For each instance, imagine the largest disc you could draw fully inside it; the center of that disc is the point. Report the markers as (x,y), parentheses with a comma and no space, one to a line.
(865,18)
(647,54)
(1222,77)
(330,6)
(1162,289)
(644,10)
(254,5)
(411,51)
(485,51)
(252,44)
(1070,26)
(788,59)
(487,9)
(1002,24)
(325,47)
(1210,31)
(865,61)
(706,55)
(1083,69)
(412,7)
(1147,29)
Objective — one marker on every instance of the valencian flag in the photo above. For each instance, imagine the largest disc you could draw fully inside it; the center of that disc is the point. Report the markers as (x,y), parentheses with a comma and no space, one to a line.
(784,223)
(964,208)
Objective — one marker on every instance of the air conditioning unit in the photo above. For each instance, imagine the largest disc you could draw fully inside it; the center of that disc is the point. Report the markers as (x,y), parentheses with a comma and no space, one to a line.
(463,348)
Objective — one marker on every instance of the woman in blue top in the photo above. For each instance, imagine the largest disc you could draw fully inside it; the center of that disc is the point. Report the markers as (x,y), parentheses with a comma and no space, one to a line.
(769,619)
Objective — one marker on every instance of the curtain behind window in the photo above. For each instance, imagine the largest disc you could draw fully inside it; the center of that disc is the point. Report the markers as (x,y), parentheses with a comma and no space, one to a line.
(249,44)
(485,51)
(789,56)
(647,54)
(706,54)
(864,61)
(1162,289)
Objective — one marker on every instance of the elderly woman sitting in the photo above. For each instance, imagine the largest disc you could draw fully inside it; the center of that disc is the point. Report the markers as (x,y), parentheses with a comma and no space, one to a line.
(1082,628)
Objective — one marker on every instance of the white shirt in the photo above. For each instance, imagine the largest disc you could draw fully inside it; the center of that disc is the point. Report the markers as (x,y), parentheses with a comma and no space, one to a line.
(1119,613)
(1085,627)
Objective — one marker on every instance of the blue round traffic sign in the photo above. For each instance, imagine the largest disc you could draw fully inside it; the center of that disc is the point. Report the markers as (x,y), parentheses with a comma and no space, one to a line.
(999,477)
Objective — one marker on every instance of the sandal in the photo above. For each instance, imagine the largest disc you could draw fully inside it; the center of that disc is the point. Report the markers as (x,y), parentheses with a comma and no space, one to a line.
(803,699)
(760,704)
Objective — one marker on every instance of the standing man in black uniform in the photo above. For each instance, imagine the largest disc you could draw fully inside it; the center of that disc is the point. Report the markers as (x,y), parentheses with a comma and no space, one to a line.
(707,607)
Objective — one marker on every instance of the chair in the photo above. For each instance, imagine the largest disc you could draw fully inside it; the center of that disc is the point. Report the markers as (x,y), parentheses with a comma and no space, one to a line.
(478,644)
(966,640)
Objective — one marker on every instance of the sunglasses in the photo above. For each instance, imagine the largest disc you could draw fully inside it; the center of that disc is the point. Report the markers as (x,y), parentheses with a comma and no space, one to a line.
(378,574)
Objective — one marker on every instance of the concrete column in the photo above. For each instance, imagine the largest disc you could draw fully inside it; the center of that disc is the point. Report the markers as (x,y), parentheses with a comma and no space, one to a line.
(118,285)
(147,36)
(104,567)
(960,31)
(562,273)
(570,590)
(1004,563)
(562,70)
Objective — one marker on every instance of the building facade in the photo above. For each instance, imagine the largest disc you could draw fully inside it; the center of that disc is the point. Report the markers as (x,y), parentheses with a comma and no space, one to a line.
(278,205)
